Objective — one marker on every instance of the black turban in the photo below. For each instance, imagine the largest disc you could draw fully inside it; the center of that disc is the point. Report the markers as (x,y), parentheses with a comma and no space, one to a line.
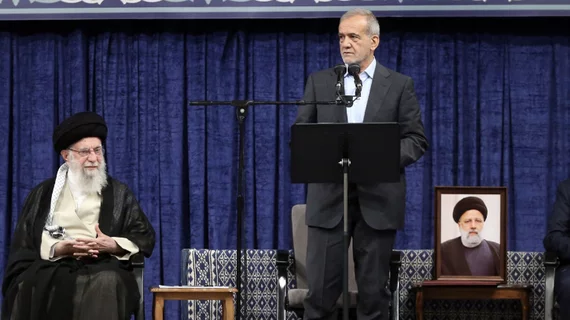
(469,203)
(78,126)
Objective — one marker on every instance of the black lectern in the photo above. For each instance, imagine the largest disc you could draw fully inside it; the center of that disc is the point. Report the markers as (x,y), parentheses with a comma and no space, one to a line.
(342,153)
(372,148)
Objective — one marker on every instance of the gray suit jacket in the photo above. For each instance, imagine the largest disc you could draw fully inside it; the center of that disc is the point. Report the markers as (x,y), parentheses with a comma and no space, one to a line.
(392,99)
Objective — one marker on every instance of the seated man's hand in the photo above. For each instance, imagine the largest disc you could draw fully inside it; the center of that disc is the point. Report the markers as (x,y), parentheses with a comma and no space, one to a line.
(103,243)
(83,248)
(75,248)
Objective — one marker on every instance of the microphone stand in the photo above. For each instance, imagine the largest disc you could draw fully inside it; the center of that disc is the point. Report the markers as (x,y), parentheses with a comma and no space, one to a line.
(345,163)
(241,108)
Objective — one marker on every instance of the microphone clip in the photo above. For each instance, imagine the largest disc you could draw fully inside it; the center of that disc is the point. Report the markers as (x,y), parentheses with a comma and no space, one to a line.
(354,71)
(339,70)
(342,99)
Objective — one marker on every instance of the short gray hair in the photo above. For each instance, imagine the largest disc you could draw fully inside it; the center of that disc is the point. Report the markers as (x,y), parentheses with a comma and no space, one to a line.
(372,22)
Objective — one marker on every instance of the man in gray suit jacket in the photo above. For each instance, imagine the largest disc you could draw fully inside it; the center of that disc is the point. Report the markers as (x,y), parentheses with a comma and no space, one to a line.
(376,211)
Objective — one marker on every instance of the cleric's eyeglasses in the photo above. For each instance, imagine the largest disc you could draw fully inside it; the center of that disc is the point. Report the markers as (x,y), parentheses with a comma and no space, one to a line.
(87,151)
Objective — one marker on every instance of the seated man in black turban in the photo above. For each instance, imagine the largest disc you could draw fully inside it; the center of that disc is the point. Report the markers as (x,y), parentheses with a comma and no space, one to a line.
(69,258)
(470,254)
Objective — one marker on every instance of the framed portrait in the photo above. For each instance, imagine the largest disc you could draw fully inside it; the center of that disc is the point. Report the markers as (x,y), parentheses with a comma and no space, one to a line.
(470,234)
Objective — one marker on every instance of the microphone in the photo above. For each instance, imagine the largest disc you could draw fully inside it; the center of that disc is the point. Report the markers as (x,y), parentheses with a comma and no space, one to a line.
(340,70)
(354,70)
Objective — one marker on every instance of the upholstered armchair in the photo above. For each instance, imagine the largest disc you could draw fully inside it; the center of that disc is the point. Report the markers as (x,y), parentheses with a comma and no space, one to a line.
(551,262)
(137,261)
(291,267)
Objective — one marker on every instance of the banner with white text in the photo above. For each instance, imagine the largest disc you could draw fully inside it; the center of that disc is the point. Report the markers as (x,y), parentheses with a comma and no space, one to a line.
(263,9)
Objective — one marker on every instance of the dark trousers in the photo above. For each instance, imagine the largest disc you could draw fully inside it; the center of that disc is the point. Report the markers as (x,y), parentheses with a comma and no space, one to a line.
(102,295)
(562,289)
(371,249)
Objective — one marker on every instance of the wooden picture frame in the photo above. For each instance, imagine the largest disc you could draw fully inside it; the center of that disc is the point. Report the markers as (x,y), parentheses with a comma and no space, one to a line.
(469,245)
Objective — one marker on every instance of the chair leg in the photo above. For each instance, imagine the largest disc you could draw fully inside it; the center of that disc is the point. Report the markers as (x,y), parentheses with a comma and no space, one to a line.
(140,310)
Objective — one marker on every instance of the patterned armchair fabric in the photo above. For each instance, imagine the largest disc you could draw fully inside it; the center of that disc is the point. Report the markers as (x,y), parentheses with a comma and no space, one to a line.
(218,268)
(522,267)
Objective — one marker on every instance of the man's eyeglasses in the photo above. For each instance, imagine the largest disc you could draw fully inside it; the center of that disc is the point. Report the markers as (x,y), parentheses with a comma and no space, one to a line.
(87,151)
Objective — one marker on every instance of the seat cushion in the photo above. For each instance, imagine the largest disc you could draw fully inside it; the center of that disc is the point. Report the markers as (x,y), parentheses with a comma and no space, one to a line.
(297,296)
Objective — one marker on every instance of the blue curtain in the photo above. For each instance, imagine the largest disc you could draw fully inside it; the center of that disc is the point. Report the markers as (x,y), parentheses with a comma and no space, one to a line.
(495,107)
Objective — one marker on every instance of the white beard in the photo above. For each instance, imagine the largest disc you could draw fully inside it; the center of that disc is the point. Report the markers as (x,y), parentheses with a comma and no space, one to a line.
(469,240)
(88,181)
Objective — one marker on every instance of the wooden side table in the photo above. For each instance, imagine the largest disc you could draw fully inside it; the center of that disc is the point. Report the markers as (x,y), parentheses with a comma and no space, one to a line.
(454,291)
(226,295)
